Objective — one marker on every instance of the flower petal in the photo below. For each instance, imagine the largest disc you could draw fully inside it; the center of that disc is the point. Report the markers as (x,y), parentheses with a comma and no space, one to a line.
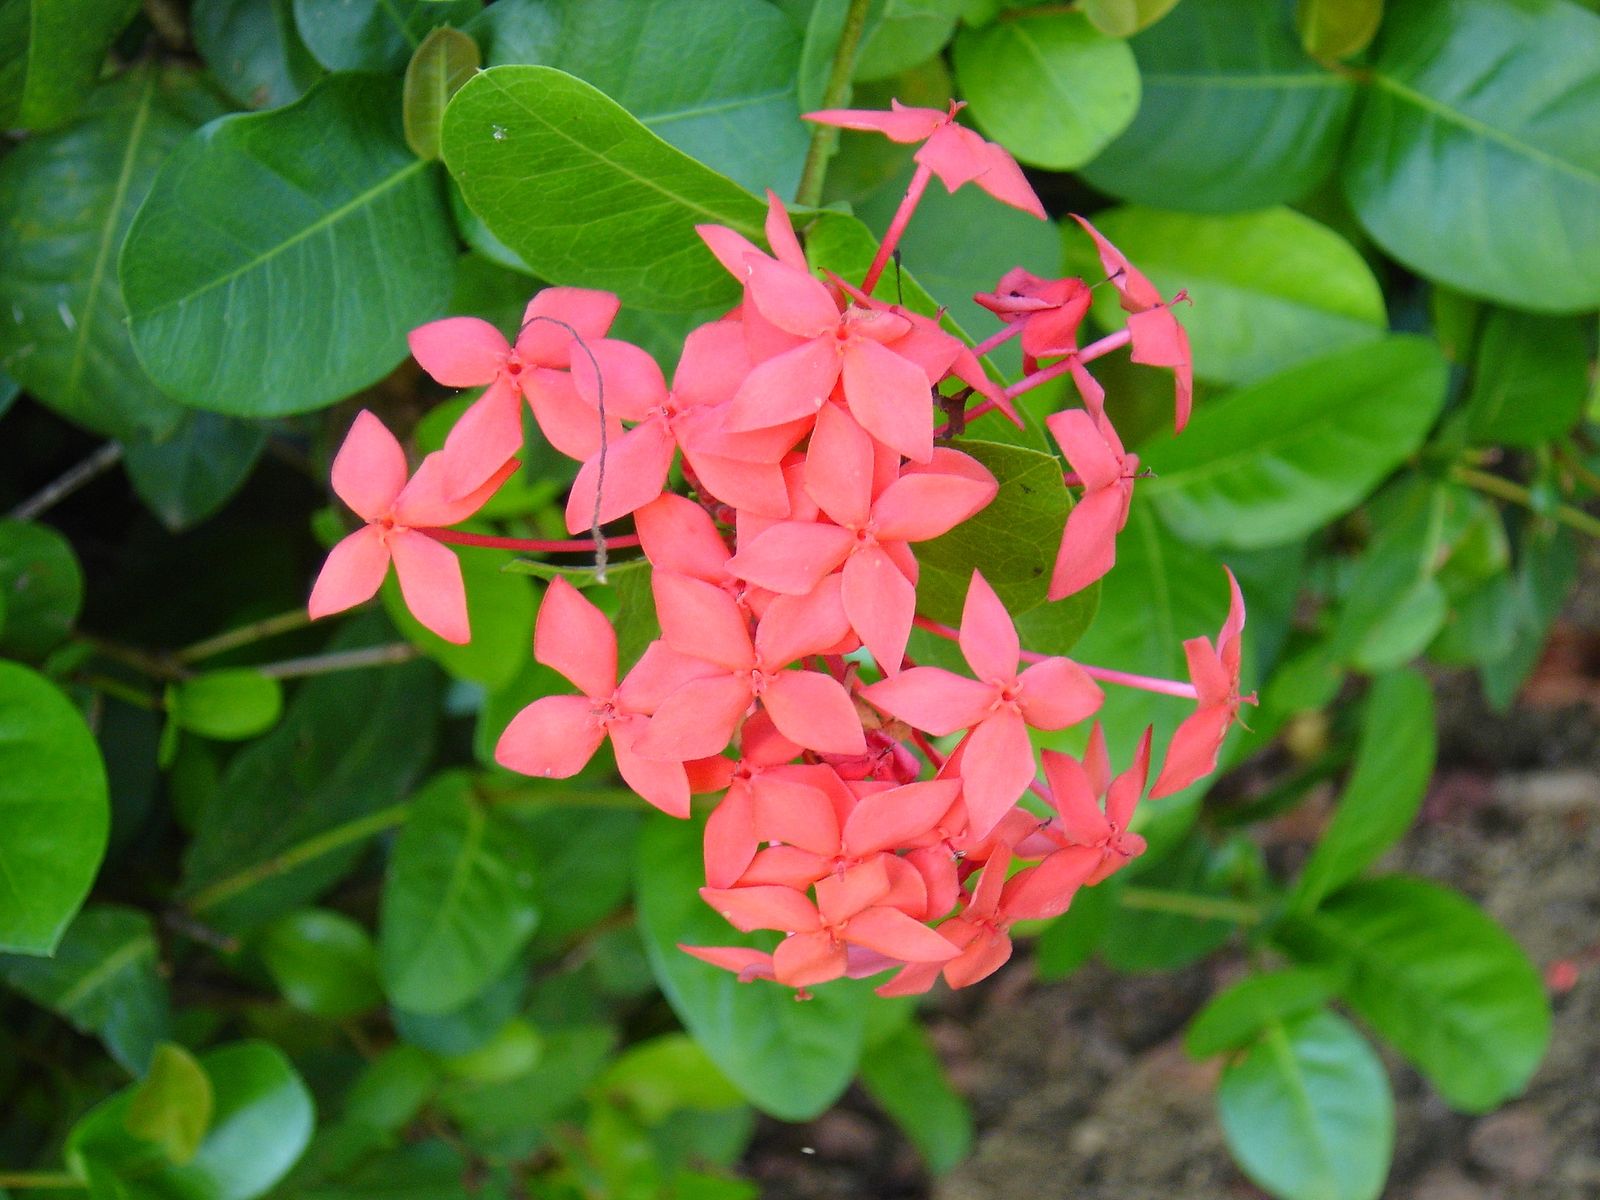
(808,958)
(791,298)
(1056,693)
(1088,542)
(791,557)
(697,720)
(1091,446)
(352,574)
(796,814)
(813,710)
(764,906)
(569,422)
(584,311)
(701,620)
(636,469)
(996,768)
(431,583)
(932,699)
(889,396)
(988,635)
(903,124)
(552,738)
(370,469)
(1073,797)
(663,784)
(748,964)
(925,505)
(894,819)
(1047,889)
(794,384)
(459,352)
(574,637)
(1192,753)
(889,931)
(880,603)
(678,535)
(839,465)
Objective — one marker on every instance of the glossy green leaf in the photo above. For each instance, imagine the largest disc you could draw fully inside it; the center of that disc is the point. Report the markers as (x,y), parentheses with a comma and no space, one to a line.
(192,472)
(50,57)
(446,59)
(322,961)
(1151,936)
(459,899)
(741,118)
(229,705)
(42,586)
(790,1060)
(1546,570)
(903,1074)
(464,1029)
(1436,977)
(373,35)
(303,801)
(513,1113)
(1124,18)
(261,1121)
(899,34)
(172,1104)
(103,979)
(500,607)
(513,1051)
(1481,169)
(261,274)
(666,1075)
(1234,1018)
(1530,378)
(253,50)
(586,872)
(1270,288)
(1269,464)
(66,337)
(1050,87)
(392,1089)
(53,811)
(588,196)
(1337,28)
(1234,115)
(1308,1113)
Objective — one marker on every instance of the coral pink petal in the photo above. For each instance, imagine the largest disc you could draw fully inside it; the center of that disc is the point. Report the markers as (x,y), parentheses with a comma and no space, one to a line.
(791,299)
(791,557)
(843,894)
(712,366)
(787,866)
(985,954)
(428,503)
(678,535)
(889,396)
(985,900)
(795,626)
(764,906)
(797,814)
(352,574)
(660,671)
(954,154)
(1047,889)
(996,768)
(552,738)
(813,710)
(1206,671)
(1004,180)
(575,638)
(1228,639)
(430,582)
(903,125)
(697,720)
(931,348)
(1088,445)
(1057,693)
(567,420)
(731,249)
(756,487)
(925,505)
(881,604)
(748,964)
(700,619)
(1137,291)
(589,313)
(988,635)
(839,467)
(914,980)
(889,931)
(780,234)
(1124,795)
(808,959)
(1158,339)
(459,352)
(633,386)
(896,818)
(1192,752)
(1097,760)
(663,784)
(932,699)
(791,385)
(483,439)
(1088,543)
(636,469)
(937,866)
(1074,798)
(370,469)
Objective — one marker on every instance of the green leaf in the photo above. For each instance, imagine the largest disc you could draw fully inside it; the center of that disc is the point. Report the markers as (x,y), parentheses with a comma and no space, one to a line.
(267,242)
(229,705)
(462,1030)
(1308,1113)
(66,337)
(50,57)
(588,196)
(261,1122)
(192,472)
(1124,18)
(42,586)
(1394,762)
(1481,169)
(1547,569)
(446,59)
(253,50)
(1337,28)
(586,871)
(513,1051)
(1142,937)
(323,962)
(666,1075)
(900,34)
(741,119)
(373,35)
(1237,1017)
(1271,463)
(54,812)
(459,899)
(1050,87)
(903,1074)
(104,980)
(1234,116)
(392,1089)
(1270,288)
(500,607)
(1437,978)
(171,1106)
(1530,378)
(303,800)
(790,1060)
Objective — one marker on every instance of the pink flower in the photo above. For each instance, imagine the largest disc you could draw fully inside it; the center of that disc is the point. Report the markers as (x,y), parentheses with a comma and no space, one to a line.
(1089,541)
(369,474)
(1215,674)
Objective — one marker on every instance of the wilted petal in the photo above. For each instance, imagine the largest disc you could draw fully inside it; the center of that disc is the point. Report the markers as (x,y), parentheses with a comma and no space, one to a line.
(431,583)
(352,574)
(459,352)
(370,468)
(552,738)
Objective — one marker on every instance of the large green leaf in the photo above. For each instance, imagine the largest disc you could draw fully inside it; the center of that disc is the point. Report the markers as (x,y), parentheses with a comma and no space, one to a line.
(1050,87)
(322,961)
(1546,570)
(261,1121)
(373,35)
(1270,288)
(1436,977)
(791,1060)
(1271,463)
(280,257)
(41,588)
(740,117)
(70,198)
(585,194)
(459,899)
(1235,115)
(1337,28)
(1234,1018)
(103,979)
(186,476)
(51,54)
(1475,159)
(1530,378)
(1308,1113)
(253,50)
(53,811)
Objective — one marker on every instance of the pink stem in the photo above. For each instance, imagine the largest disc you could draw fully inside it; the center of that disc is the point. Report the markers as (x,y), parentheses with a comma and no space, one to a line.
(530,545)
(902,218)
(1088,354)
(999,338)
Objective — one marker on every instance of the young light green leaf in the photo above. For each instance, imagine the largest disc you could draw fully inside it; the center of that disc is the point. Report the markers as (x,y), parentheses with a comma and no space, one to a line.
(373,35)
(1050,88)
(54,812)
(445,61)
(250,258)
(665,1075)
(43,588)
(51,55)
(229,705)
(585,194)
(1337,28)
(1308,1113)
(1482,170)
(1238,1016)
(253,50)
(1429,971)
(1530,378)
(171,1106)
(903,1074)
(192,472)
(1234,116)
(899,34)
(1124,18)
(513,1051)
(323,962)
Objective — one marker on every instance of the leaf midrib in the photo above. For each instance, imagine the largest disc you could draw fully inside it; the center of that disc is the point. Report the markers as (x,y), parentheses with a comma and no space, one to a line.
(129,952)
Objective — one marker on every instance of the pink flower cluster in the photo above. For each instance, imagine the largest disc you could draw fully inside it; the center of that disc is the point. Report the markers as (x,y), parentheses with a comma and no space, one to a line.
(785,585)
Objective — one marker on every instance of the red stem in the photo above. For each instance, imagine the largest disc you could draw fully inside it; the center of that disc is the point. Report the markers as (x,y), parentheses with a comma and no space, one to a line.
(999,338)
(529,545)
(902,218)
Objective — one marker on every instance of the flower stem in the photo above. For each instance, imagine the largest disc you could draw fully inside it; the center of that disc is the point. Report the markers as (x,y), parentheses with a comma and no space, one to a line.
(52,493)
(340,660)
(528,545)
(998,338)
(1504,489)
(1094,350)
(295,618)
(902,218)
(18,1180)
(1187,904)
(825,137)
